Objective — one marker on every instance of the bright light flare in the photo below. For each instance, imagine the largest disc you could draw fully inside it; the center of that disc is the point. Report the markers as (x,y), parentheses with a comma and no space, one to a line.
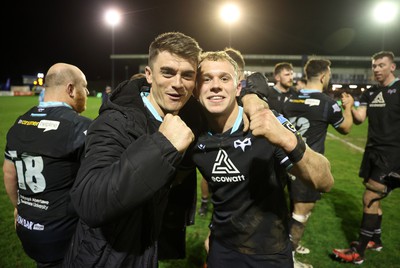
(230,13)
(385,12)
(112,17)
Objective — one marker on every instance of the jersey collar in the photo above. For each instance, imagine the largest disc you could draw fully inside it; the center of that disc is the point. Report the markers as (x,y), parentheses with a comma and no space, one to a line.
(150,106)
(47,104)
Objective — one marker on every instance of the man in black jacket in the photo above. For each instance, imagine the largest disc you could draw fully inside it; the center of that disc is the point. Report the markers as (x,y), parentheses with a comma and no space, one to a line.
(135,153)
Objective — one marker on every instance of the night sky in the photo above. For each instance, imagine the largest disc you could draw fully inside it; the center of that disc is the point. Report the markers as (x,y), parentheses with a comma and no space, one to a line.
(36,34)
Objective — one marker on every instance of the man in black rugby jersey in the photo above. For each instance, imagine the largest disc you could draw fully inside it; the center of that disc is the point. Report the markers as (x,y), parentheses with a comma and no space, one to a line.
(249,225)
(312,111)
(237,56)
(43,153)
(380,167)
(283,89)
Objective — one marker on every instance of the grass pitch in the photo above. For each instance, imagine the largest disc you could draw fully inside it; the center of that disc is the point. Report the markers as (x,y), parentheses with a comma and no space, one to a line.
(334,223)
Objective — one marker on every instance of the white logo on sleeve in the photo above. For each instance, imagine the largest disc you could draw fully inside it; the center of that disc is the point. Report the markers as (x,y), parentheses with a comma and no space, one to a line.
(242,144)
(48,125)
(336,108)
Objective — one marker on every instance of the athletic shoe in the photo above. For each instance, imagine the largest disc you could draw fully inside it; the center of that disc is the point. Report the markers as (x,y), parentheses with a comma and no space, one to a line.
(302,250)
(203,209)
(371,245)
(298,264)
(348,255)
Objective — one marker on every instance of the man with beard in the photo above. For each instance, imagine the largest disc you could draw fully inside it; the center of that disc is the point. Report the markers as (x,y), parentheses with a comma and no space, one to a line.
(283,89)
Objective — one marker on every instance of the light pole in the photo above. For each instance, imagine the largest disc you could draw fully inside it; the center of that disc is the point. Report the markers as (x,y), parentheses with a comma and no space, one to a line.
(230,13)
(112,17)
(384,13)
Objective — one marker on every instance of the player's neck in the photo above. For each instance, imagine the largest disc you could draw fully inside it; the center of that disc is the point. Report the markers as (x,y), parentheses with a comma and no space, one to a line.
(219,123)
(388,81)
(281,88)
(315,86)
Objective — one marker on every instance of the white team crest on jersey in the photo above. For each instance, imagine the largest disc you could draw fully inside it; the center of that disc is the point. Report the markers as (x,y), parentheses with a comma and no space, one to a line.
(48,125)
(201,146)
(378,101)
(223,165)
(242,144)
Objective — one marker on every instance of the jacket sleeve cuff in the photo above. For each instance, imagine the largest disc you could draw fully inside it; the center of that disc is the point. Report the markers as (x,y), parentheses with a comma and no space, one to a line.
(167,149)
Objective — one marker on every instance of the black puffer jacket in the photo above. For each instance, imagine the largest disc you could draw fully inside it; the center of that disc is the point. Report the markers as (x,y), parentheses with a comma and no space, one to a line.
(122,186)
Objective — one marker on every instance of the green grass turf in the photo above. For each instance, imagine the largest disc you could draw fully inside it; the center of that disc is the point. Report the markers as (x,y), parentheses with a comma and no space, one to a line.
(334,223)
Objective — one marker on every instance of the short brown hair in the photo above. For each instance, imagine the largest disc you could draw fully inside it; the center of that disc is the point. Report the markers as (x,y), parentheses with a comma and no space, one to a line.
(282,66)
(176,43)
(315,67)
(236,56)
(381,54)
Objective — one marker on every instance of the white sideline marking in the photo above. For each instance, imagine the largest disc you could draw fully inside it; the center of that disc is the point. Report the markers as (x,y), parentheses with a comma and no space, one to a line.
(346,142)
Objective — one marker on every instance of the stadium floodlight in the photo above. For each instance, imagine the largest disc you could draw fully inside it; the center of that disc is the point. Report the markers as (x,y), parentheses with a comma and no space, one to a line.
(385,12)
(230,14)
(112,18)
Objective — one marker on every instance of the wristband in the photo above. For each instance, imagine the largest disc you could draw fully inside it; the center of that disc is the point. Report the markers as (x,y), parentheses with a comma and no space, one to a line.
(298,152)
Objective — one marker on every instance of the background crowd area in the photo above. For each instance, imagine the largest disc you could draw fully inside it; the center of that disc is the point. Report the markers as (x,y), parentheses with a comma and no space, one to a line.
(335,221)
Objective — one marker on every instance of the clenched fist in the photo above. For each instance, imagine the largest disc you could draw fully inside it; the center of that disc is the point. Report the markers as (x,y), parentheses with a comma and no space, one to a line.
(264,123)
(177,132)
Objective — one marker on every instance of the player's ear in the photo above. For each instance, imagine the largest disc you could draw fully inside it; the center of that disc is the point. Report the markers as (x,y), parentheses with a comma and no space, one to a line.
(70,90)
(322,78)
(238,88)
(149,74)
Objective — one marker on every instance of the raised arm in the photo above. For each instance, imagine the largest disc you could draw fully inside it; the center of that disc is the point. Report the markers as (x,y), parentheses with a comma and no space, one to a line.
(311,167)
(347,104)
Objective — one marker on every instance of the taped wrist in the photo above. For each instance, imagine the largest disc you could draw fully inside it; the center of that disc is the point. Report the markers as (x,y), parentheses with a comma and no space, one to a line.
(298,152)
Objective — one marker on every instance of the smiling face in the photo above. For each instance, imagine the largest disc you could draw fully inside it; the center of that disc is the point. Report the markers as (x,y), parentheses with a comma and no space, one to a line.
(217,87)
(172,80)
